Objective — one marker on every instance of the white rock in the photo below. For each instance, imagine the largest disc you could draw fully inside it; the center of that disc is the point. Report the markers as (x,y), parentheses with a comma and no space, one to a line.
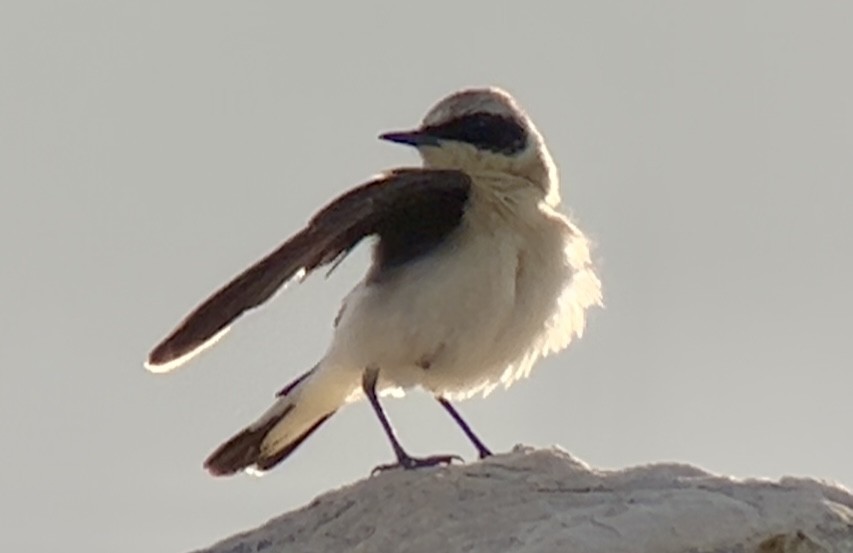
(545,501)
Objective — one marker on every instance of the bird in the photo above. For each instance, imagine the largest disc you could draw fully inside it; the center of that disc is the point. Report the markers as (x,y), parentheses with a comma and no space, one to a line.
(475,275)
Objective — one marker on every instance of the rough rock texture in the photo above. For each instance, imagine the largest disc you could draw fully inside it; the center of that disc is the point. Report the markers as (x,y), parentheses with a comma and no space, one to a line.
(546,501)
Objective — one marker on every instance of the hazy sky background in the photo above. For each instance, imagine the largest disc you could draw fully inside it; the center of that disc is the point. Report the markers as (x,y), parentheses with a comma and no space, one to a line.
(149,151)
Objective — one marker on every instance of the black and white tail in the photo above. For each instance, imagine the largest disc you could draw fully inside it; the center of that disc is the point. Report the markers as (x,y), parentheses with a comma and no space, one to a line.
(302,407)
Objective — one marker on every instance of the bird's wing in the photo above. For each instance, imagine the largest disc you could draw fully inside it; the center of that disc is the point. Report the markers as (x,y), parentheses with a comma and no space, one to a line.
(328,236)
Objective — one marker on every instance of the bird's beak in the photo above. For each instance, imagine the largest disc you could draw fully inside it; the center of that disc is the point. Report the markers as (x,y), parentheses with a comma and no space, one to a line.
(417,138)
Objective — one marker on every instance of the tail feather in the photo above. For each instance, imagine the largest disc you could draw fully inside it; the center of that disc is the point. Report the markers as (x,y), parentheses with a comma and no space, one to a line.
(244,450)
(301,409)
(266,463)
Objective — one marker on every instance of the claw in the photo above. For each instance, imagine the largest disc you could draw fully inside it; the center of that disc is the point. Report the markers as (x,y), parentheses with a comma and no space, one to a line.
(412,463)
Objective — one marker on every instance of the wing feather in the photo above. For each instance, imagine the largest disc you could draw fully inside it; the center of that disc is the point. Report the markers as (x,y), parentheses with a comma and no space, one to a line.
(328,236)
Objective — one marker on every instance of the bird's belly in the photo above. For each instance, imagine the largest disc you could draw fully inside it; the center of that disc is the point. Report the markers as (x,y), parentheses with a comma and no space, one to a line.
(434,322)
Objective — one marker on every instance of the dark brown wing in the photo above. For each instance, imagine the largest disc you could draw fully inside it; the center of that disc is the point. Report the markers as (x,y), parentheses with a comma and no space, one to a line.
(409,197)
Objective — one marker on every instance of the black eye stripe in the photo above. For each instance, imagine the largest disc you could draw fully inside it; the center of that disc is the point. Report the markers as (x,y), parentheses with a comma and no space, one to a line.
(487,131)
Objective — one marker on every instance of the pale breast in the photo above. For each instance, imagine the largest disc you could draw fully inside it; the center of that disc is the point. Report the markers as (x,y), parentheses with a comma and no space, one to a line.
(433,322)
(556,284)
(475,313)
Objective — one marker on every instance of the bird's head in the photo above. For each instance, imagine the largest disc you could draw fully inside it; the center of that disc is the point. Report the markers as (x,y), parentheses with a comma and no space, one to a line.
(483,129)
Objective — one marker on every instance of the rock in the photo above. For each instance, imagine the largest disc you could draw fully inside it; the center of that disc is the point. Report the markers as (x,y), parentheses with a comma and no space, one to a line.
(547,501)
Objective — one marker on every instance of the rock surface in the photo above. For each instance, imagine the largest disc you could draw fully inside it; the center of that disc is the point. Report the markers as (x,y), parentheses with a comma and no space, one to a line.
(547,501)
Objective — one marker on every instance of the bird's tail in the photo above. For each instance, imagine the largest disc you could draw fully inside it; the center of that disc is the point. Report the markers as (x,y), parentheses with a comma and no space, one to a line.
(302,406)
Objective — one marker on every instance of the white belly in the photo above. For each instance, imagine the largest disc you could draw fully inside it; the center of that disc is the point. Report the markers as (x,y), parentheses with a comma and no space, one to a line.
(473,314)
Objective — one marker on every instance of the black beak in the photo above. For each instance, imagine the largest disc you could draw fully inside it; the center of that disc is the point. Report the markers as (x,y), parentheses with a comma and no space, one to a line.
(416,138)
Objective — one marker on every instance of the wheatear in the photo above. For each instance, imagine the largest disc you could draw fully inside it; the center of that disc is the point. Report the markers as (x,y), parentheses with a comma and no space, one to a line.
(475,275)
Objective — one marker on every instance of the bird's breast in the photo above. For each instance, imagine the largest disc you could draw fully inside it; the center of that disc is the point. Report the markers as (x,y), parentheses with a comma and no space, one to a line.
(453,320)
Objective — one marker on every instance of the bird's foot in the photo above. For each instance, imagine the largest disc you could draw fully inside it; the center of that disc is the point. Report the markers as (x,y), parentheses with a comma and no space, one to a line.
(410,463)
(484,452)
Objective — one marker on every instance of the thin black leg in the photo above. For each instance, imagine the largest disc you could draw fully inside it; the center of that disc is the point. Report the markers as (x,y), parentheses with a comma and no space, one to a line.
(481,447)
(404,460)
(368,384)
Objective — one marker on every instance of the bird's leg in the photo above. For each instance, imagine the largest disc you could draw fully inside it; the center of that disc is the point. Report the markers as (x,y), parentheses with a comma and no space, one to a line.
(404,460)
(481,447)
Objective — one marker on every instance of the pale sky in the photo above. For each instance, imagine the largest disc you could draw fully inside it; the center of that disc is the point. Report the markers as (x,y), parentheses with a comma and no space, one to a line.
(152,150)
